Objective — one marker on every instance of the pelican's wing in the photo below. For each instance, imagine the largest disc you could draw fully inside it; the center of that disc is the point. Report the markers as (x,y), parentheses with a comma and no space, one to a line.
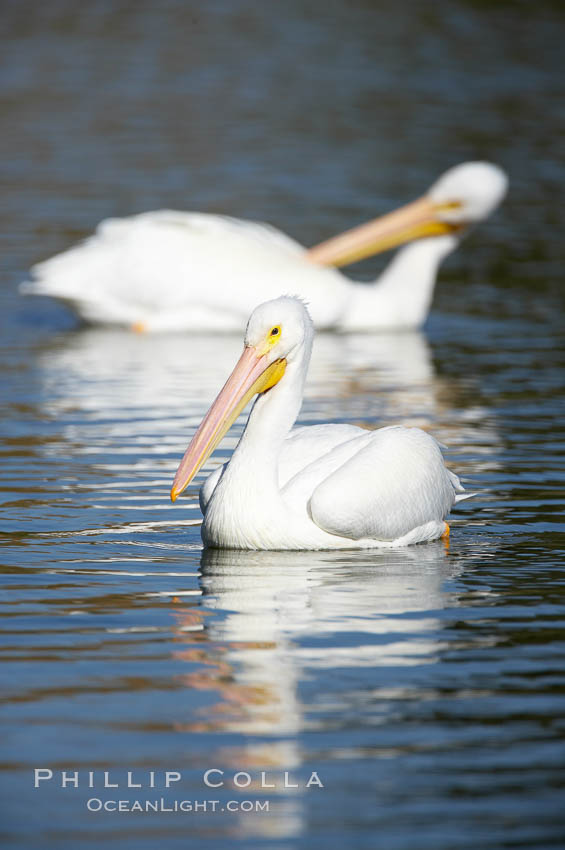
(140,259)
(302,447)
(307,444)
(395,482)
(221,225)
(172,270)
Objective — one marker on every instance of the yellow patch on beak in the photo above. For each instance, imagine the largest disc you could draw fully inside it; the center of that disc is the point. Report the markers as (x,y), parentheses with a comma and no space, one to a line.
(272,375)
(418,220)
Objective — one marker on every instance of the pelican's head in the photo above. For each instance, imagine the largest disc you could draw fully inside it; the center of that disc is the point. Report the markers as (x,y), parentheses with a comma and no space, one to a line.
(276,333)
(278,328)
(462,196)
(468,193)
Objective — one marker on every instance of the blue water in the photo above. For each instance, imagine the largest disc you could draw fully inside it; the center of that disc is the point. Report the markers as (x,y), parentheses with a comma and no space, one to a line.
(425,688)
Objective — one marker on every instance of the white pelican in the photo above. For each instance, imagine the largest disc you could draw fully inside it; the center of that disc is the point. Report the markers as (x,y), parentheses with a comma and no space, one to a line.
(317,487)
(168,270)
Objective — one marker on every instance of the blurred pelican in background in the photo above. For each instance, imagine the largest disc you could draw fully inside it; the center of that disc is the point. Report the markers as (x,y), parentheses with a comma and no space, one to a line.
(167,270)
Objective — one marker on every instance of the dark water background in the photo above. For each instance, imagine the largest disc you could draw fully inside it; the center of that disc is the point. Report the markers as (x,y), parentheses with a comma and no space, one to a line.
(426,687)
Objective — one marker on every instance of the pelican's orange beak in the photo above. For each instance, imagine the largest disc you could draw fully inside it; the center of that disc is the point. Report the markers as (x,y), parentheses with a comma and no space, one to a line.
(420,219)
(253,374)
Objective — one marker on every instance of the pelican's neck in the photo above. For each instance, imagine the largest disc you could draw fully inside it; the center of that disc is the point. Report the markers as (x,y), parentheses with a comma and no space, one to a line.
(246,509)
(273,414)
(401,297)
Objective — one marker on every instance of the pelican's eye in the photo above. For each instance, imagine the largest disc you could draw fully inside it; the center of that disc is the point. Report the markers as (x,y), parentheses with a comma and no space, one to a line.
(447,206)
(274,335)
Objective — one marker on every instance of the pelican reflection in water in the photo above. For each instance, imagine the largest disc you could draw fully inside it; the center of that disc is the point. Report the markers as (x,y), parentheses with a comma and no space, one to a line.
(272,622)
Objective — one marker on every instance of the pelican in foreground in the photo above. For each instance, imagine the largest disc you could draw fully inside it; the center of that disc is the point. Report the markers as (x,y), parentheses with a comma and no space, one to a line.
(165,270)
(317,487)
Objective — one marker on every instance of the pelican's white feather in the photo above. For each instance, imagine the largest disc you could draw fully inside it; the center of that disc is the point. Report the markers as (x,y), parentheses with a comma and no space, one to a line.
(168,270)
(318,487)
(301,448)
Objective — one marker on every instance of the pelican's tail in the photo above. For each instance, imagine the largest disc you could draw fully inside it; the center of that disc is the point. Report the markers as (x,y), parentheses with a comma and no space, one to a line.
(460,494)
